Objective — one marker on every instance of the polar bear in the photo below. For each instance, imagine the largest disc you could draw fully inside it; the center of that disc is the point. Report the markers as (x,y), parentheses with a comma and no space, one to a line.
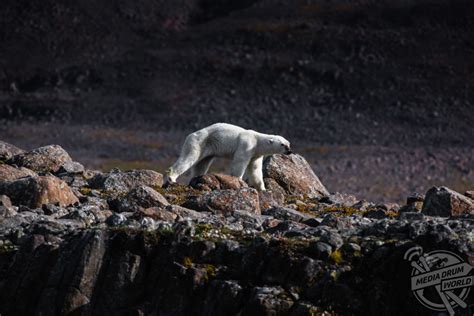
(245,148)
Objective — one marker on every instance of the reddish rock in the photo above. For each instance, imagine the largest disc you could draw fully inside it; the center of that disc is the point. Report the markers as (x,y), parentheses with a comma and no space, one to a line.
(140,197)
(269,199)
(9,173)
(217,181)
(44,159)
(442,201)
(226,201)
(293,174)
(156,213)
(36,191)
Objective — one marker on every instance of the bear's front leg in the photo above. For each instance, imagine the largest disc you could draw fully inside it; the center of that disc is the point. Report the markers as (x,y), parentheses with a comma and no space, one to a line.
(255,174)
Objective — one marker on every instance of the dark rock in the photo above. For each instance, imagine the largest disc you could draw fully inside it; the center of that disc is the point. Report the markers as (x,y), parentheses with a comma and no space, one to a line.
(268,301)
(362,205)
(313,221)
(411,208)
(331,237)
(140,197)
(377,214)
(116,219)
(9,173)
(320,250)
(7,151)
(294,175)
(217,181)
(441,201)
(226,201)
(224,297)
(351,250)
(417,216)
(44,159)
(36,191)
(415,201)
(117,181)
(284,213)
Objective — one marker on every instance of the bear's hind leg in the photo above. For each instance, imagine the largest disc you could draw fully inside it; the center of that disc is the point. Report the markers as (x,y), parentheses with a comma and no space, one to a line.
(202,166)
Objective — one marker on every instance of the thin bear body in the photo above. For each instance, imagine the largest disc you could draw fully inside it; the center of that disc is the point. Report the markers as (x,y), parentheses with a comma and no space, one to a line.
(245,148)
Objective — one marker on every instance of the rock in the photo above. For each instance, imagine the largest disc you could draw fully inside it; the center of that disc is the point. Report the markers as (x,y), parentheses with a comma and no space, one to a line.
(225,201)
(223,297)
(217,181)
(268,301)
(469,194)
(44,159)
(294,175)
(9,173)
(284,213)
(140,197)
(183,212)
(36,191)
(116,219)
(117,181)
(351,250)
(71,168)
(7,151)
(5,201)
(249,220)
(320,250)
(417,216)
(415,201)
(442,201)
(377,214)
(269,199)
(155,213)
(340,199)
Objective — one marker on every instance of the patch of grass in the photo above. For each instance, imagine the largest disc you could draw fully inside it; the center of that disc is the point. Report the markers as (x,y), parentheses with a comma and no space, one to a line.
(341,210)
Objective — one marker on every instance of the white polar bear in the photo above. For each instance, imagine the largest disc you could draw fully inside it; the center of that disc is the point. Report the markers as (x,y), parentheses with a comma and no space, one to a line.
(245,147)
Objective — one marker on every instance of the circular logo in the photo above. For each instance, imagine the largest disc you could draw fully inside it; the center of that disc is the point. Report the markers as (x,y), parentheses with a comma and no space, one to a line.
(440,280)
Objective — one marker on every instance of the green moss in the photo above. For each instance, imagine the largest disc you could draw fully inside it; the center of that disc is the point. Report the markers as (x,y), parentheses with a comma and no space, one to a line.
(85,190)
(180,191)
(187,262)
(211,270)
(336,256)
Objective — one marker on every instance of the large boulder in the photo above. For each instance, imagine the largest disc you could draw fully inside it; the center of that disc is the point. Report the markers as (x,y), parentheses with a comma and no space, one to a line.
(7,150)
(292,174)
(217,181)
(123,181)
(36,191)
(140,197)
(442,201)
(44,159)
(9,173)
(226,201)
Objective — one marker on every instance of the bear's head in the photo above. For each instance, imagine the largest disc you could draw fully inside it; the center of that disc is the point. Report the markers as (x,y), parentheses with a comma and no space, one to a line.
(279,145)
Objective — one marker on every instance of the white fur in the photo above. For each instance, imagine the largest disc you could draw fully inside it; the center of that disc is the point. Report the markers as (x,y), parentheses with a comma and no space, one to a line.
(246,148)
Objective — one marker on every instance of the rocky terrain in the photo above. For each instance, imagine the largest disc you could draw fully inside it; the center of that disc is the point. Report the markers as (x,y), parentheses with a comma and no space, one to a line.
(83,242)
(376,94)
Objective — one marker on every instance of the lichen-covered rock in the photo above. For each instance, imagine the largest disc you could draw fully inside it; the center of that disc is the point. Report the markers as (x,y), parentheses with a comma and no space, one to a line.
(217,181)
(36,191)
(7,151)
(183,212)
(44,159)
(442,201)
(71,168)
(226,201)
(270,198)
(293,174)
(123,181)
(268,301)
(8,173)
(156,213)
(285,213)
(140,197)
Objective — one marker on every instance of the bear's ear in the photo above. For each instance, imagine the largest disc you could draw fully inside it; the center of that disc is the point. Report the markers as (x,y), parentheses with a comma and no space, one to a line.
(270,141)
